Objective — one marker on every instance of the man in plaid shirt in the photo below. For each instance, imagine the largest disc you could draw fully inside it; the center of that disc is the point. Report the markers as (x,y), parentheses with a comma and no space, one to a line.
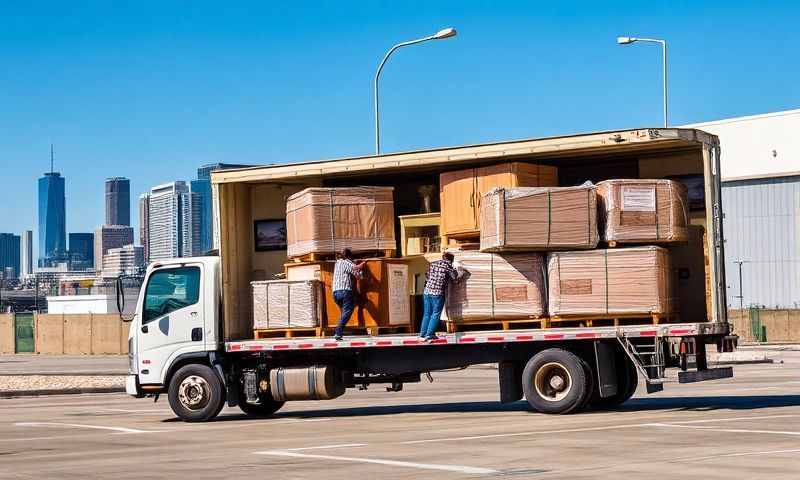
(439,274)
(344,274)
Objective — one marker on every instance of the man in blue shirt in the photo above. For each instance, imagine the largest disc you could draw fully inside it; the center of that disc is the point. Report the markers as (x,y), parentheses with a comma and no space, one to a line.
(439,274)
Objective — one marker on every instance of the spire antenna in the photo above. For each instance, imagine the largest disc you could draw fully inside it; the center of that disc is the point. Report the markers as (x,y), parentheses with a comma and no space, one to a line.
(51,158)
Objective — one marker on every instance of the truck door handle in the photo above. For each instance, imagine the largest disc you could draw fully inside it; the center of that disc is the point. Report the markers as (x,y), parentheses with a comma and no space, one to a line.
(197,334)
(144,329)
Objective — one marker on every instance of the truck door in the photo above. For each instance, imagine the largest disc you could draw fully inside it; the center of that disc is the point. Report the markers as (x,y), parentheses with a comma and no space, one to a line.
(172,320)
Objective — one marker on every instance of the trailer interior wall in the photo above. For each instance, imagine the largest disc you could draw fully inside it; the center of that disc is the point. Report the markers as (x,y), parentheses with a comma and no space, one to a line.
(246,195)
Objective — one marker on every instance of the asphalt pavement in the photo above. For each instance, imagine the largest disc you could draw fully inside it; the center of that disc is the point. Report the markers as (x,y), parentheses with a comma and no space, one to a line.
(745,427)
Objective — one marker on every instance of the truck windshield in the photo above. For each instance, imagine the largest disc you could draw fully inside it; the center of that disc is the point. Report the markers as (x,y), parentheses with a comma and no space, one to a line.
(169,290)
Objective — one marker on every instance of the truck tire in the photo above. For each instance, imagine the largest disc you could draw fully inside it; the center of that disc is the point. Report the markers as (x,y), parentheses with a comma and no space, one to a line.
(196,393)
(590,386)
(266,407)
(554,381)
(627,381)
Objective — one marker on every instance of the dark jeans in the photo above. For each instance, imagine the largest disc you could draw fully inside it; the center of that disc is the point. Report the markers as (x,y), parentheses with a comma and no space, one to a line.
(346,302)
(432,312)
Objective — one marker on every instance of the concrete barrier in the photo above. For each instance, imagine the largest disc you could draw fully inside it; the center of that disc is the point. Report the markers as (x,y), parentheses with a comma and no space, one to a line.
(71,334)
(6,333)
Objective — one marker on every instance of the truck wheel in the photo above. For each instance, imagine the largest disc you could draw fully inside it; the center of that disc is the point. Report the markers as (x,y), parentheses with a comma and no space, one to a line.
(590,386)
(554,381)
(266,407)
(196,393)
(627,381)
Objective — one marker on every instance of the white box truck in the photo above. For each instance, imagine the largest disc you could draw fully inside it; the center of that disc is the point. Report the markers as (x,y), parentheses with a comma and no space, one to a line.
(192,334)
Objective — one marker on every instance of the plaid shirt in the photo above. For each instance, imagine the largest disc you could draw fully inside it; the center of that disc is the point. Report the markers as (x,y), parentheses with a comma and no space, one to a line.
(439,274)
(343,273)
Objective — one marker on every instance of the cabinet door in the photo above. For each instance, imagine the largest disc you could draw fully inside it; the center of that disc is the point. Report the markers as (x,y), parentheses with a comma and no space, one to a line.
(458,201)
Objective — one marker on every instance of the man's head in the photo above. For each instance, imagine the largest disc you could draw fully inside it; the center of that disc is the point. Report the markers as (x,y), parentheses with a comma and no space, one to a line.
(347,254)
(448,256)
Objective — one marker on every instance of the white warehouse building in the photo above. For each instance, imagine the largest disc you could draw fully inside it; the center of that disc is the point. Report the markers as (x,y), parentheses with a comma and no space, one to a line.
(760,164)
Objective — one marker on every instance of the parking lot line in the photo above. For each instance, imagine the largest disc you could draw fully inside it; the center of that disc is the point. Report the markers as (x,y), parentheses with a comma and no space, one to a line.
(725,430)
(119,430)
(325,447)
(379,461)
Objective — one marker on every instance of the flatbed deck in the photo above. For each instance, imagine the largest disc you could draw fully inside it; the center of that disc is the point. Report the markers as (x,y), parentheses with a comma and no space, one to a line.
(477,337)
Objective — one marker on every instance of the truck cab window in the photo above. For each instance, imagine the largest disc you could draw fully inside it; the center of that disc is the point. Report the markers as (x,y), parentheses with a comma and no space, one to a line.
(169,290)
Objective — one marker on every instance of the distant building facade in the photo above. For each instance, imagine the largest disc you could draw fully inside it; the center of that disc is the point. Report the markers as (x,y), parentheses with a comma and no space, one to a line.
(173,214)
(81,251)
(26,254)
(127,260)
(144,224)
(108,237)
(9,255)
(202,186)
(118,201)
(52,219)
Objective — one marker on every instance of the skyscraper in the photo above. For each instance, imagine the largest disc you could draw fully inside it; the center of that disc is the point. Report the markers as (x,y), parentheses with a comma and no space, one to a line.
(26,254)
(81,251)
(9,255)
(108,237)
(144,224)
(202,186)
(118,201)
(174,222)
(52,217)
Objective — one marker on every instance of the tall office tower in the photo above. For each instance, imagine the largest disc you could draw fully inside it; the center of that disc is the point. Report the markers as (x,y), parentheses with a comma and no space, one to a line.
(108,237)
(202,186)
(9,255)
(118,201)
(174,222)
(144,224)
(52,217)
(26,254)
(81,251)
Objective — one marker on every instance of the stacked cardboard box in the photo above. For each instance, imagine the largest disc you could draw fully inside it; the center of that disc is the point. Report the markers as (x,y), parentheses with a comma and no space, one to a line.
(327,220)
(496,286)
(287,304)
(539,218)
(643,211)
(624,281)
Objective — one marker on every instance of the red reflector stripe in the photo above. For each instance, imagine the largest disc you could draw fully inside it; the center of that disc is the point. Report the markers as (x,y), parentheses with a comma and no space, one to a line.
(439,341)
(553,336)
(466,340)
(383,343)
(524,337)
(280,347)
(357,344)
(305,345)
(330,344)
(410,342)
(648,333)
(585,335)
(235,347)
(680,332)
(495,339)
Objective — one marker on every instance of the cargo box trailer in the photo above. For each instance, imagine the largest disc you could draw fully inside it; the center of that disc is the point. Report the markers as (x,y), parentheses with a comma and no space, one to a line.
(192,334)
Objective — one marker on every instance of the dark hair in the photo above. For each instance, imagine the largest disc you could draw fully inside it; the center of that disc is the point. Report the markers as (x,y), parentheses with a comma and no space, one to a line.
(347,253)
(448,256)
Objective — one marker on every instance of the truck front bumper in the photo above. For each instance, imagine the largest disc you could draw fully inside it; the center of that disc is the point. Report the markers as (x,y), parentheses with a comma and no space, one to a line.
(132,385)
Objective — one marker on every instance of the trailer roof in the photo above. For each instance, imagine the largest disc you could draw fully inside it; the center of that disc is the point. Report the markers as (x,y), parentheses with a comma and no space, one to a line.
(589,144)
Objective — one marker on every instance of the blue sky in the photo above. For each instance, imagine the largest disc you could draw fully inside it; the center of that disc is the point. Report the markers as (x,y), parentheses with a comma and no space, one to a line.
(151,90)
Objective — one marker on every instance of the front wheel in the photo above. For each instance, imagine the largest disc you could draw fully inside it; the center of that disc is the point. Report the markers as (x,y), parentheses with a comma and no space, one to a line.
(555,381)
(196,393)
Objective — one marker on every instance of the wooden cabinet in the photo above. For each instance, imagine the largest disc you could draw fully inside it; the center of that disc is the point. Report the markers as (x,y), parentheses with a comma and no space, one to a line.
(460,191)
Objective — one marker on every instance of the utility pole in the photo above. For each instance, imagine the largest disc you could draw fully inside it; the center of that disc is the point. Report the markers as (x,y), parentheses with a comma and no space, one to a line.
(741,295)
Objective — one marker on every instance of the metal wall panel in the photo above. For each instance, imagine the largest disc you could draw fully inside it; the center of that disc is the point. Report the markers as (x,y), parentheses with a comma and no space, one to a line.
(762,229)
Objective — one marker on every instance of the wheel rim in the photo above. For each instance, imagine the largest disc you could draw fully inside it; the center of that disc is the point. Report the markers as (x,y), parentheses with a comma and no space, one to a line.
(194,392)
(553,382)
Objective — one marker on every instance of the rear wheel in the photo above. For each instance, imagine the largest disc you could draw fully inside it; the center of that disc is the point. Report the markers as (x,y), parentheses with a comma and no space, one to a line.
(554,381)
(627,381)
(265,407)
(196,393)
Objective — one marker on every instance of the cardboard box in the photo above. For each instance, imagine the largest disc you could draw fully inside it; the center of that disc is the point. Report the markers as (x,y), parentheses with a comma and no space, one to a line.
(643,211)
(328,220)
(495,286)
(287,304)
(539,218)
(382,296)
(617,281)
(460,191)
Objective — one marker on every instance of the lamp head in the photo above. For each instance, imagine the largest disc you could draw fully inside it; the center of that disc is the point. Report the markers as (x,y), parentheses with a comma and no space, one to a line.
(445,33)
(625,40)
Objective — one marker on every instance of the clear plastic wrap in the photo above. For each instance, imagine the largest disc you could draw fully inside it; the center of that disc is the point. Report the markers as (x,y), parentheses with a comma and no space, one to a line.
(287,303)
(528,218)
(327,220)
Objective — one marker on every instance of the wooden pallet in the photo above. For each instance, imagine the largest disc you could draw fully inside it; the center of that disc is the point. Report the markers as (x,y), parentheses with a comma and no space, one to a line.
(540,322)
(611,320)
(319,257)
(323,332)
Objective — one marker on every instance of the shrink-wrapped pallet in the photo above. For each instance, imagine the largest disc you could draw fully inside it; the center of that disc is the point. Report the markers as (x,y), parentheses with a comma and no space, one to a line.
(621,281)
(539,218)
(328,220)
(287,304)
(495,286)
(643,211)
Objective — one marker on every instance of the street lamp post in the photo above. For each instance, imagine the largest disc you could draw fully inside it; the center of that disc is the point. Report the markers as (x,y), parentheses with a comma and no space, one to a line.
(440,35)
(628,40)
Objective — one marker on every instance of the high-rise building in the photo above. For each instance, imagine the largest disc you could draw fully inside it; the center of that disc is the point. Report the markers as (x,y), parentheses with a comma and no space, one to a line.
(108,237)
(52,217)
(127,260)
(81,251)
(174,222)
(144,224)
(26,254)
(202,186)
(118,201)
(9,255)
